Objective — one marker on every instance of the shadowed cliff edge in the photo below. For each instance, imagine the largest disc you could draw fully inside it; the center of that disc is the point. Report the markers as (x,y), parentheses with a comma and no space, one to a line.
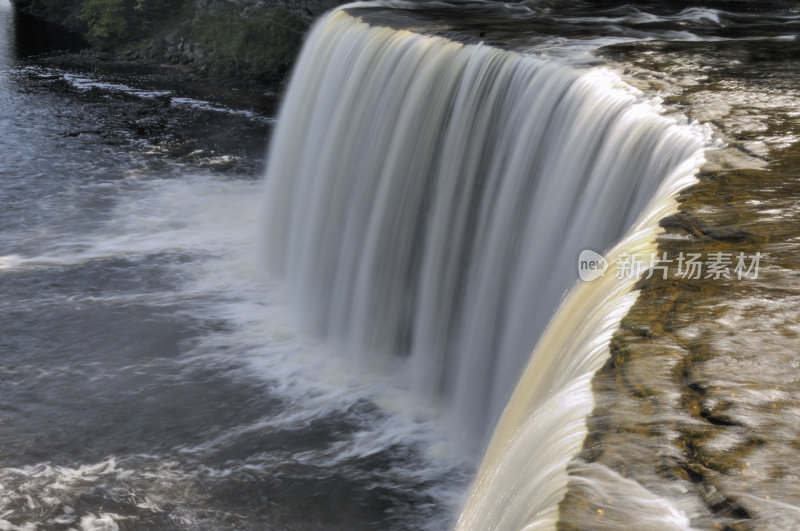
(249,42)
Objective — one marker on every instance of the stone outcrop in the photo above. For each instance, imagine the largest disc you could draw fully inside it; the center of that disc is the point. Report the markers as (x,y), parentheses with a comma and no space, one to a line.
(244,39)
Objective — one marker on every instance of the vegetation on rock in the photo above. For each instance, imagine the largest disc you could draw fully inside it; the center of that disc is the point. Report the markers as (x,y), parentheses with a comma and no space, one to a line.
(246,39)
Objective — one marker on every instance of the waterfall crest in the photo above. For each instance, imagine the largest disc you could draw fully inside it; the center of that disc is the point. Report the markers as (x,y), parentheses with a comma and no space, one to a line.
(428,200)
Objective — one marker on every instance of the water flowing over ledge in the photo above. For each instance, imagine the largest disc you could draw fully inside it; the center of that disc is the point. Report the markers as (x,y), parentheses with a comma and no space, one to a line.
(426,204)
(523,476)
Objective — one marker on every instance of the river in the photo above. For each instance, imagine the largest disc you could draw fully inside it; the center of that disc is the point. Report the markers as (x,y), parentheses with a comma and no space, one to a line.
(154,376)
(149,376)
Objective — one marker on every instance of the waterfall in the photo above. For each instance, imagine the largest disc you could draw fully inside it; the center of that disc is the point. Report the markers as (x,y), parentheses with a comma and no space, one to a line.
(426,201)
(523,476)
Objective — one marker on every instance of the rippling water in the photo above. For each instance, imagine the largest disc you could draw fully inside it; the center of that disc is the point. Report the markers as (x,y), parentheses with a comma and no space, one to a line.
(149,379)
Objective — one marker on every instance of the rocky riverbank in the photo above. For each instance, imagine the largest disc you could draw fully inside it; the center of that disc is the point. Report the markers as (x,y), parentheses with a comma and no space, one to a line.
(240,42)
(697,401)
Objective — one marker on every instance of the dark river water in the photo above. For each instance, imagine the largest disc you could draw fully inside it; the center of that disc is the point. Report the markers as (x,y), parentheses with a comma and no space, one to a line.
(148,378)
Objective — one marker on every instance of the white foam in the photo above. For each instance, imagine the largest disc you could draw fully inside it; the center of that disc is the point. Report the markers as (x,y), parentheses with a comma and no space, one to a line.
(213,222)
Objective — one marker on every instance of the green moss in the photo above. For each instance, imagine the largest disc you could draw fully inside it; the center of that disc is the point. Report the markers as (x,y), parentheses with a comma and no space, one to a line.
(107,19)
(262,41)
(107,23)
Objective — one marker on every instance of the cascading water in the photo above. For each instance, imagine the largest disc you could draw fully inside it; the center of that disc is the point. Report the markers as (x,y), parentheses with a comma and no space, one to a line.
(428,199)
(523,476)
